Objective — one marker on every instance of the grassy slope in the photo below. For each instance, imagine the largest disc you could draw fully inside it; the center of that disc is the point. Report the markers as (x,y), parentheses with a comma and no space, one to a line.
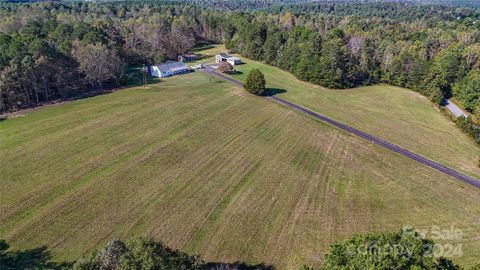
(403,117)
(208,169)
(207,55)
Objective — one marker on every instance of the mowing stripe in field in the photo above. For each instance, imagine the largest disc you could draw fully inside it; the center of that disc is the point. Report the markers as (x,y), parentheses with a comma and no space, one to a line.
(423,160)
(208,169)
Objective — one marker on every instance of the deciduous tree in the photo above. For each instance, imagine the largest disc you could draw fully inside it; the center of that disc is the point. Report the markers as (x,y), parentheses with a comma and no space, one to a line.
(225,67)
(467,91)
(98,63)
(405,249)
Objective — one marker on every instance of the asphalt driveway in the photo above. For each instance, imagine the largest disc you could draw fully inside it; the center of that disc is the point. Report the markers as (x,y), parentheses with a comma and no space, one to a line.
(378,141)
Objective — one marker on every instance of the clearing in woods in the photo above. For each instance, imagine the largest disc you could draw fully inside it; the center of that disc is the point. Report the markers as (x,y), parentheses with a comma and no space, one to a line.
(210,171)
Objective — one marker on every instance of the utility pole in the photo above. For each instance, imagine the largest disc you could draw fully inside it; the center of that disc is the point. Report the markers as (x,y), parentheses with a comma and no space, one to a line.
(144,76)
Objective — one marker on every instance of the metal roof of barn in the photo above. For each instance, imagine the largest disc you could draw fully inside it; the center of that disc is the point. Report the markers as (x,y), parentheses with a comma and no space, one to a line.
(172,66)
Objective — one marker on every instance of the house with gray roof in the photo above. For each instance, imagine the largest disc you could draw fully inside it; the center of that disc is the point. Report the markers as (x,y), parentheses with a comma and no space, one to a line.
(169,69)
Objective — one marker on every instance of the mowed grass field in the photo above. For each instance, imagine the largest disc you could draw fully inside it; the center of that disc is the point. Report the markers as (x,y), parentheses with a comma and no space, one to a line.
(399,115)
(207,169)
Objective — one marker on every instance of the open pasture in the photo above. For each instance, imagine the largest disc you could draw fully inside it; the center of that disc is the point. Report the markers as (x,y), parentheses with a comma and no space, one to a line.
(208,169)
(398,115)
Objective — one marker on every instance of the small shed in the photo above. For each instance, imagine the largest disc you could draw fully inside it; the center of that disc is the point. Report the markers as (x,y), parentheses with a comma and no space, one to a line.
(187,57)
(221,57)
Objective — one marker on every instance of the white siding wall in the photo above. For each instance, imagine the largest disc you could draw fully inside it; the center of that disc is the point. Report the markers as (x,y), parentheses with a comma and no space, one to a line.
(234,62)
(155,72)
(165,74)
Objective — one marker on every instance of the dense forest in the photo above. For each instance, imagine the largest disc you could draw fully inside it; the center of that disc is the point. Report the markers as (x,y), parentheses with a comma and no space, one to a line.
(52,50)
(436,54)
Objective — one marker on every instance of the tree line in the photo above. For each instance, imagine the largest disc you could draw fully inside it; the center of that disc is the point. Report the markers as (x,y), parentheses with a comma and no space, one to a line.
(440,59)
(53,50)
(404,249)
(56,50)
(434,50)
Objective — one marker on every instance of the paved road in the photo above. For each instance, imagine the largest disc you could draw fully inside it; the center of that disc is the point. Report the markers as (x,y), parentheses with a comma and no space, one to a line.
(210,70)
(453,108)
(371,138)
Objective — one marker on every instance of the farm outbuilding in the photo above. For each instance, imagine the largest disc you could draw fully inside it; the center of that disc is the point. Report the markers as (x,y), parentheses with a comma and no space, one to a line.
(187,57)
(224,57)
(169,69)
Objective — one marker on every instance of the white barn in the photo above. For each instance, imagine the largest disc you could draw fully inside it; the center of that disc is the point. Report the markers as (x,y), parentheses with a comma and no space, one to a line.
(224,57)
(169,69)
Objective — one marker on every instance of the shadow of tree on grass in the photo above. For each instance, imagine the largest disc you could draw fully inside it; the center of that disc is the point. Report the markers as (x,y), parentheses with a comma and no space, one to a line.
(236,266)
(40,258)
(36,258)
(273,91)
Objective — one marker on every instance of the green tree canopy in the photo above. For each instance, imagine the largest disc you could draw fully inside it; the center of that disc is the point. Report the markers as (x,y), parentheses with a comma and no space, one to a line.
(332,64)
(141,253)
(159,58)
(255,83)
(468,89)
(404,249)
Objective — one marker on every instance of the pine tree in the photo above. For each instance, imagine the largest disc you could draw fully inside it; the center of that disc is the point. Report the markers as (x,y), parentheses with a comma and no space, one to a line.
(255,83)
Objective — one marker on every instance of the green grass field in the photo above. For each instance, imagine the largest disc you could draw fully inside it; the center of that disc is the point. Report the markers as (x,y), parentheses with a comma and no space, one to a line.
(208,169)
(398,115)
(206,55)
